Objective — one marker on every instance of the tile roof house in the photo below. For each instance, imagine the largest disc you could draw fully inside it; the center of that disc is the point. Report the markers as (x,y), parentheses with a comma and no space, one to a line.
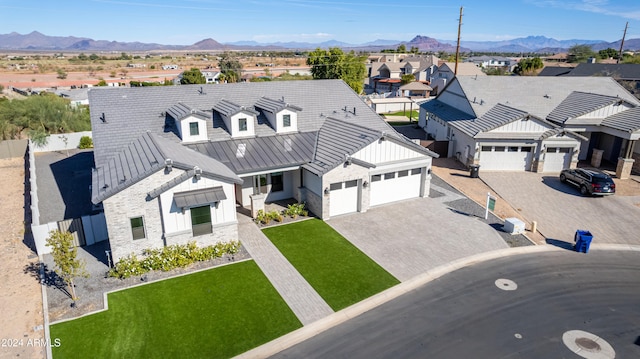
(539,124)
(173,162)
(446,72)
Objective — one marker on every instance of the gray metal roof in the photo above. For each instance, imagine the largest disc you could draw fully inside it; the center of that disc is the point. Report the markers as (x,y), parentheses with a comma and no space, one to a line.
(199,197)
(180,111)
(628,121)
(617,71)
(228,108)
(538,96)
(147,155)
(120,115)
(337,140)
(261,153)
(555,71)
(275,106)
(498,116)
(580,103)
(444,111)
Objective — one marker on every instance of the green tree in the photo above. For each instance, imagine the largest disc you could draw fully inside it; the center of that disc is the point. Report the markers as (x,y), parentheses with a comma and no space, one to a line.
(64,254)
(193,76)
(528,66)
(230,67)
(61,74)
(414,50)
(102,82)
(580,53)
(608,53)
(407,78)
(402,48)
(335,64)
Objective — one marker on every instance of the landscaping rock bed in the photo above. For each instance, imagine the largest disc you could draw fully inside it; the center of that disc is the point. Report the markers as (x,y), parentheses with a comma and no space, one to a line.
(91,290)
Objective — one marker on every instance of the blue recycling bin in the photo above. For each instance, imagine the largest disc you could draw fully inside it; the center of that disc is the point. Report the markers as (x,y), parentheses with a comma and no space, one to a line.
(583,241)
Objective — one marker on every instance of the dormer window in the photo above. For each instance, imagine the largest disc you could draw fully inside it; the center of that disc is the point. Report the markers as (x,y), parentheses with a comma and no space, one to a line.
(242,124)
(282,116)
(191,123)
(194,130)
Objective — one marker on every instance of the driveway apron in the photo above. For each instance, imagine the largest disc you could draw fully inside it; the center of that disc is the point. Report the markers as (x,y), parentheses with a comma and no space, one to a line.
(303,300)
(414,236)
(560,210)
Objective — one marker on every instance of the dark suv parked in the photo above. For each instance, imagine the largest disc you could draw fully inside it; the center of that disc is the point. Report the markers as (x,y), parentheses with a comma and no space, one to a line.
(590,181)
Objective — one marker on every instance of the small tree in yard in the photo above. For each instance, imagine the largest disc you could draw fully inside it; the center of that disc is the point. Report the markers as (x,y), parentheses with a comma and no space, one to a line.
(64,253)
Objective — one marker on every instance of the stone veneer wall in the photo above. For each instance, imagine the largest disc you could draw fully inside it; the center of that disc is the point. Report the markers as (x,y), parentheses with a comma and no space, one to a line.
(133,202)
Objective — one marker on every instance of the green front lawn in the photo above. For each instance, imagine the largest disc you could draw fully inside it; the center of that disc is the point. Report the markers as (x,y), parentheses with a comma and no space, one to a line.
(414,114)
(217,313)
(336,269)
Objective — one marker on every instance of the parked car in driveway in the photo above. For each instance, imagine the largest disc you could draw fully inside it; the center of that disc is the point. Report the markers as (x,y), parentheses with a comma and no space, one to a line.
(589,181)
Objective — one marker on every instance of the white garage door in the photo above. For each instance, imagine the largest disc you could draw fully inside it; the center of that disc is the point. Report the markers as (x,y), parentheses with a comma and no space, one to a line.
(395,186)
(506,158)
(557,158)
(344,197)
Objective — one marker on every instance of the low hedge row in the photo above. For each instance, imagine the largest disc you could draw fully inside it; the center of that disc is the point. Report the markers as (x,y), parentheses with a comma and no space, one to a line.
(170,257)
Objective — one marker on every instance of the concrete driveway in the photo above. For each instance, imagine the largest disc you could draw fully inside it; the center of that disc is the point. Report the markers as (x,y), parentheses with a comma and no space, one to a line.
(410,237)
(560,210)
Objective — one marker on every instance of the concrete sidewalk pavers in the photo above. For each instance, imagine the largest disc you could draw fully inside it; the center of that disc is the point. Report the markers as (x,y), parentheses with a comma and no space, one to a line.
(414,236)
(303,300)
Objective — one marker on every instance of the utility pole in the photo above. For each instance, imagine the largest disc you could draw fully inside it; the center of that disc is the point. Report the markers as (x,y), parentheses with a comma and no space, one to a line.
(455,72)
(622,42)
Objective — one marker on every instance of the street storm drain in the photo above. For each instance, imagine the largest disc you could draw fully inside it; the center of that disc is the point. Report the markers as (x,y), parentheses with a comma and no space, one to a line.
(506,284)
(588,345)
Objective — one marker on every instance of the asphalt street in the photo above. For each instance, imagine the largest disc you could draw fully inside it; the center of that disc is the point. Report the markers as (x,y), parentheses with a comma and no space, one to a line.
(513,307)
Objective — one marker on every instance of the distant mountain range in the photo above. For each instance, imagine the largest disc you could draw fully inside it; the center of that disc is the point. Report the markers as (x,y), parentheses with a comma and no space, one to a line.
(36,41)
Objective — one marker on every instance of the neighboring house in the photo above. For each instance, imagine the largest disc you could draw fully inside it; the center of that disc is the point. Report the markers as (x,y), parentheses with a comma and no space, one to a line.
(555,71)
(169,67)
(541,124)
(212,77)
(76,96)
(627,75)
(172,162)
(415,89)
(386,76)
(446,72)
(491,61)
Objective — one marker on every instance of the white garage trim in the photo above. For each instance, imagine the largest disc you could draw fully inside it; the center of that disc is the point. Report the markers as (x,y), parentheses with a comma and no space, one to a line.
(395,186)
(506,158)
(557,158)
(343,197)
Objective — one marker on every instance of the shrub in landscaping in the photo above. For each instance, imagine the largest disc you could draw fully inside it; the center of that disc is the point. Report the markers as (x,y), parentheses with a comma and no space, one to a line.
(276,216)
(85,142)
(170,257)
(262,217)
(296,209)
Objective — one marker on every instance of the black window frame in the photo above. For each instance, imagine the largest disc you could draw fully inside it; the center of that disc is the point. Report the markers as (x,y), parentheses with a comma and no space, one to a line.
(243,124)
(135,230)
(201,227)
(192,128)
(286,120)
(277,182)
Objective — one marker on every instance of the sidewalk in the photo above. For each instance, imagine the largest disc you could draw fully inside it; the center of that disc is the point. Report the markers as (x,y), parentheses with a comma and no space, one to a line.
(455,174)
(303,300)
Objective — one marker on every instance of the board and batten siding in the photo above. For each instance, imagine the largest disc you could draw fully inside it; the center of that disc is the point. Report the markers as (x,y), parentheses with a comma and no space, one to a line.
(185,132)
(385,151)
(605,111)
(176,221)
(456,98)
(527,126)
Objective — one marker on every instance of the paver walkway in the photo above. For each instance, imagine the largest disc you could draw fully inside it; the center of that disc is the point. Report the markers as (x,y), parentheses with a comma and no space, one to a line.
(303,300)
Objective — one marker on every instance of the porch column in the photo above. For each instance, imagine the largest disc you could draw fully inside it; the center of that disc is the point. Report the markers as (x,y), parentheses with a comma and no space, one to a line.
(257,203)
(623,169)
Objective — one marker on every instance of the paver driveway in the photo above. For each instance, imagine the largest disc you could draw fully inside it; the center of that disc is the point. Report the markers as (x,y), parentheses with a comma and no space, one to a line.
(560,210)
(411,237)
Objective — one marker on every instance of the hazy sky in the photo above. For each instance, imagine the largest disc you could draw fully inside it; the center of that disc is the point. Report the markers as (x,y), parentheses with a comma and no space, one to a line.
(184,22)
